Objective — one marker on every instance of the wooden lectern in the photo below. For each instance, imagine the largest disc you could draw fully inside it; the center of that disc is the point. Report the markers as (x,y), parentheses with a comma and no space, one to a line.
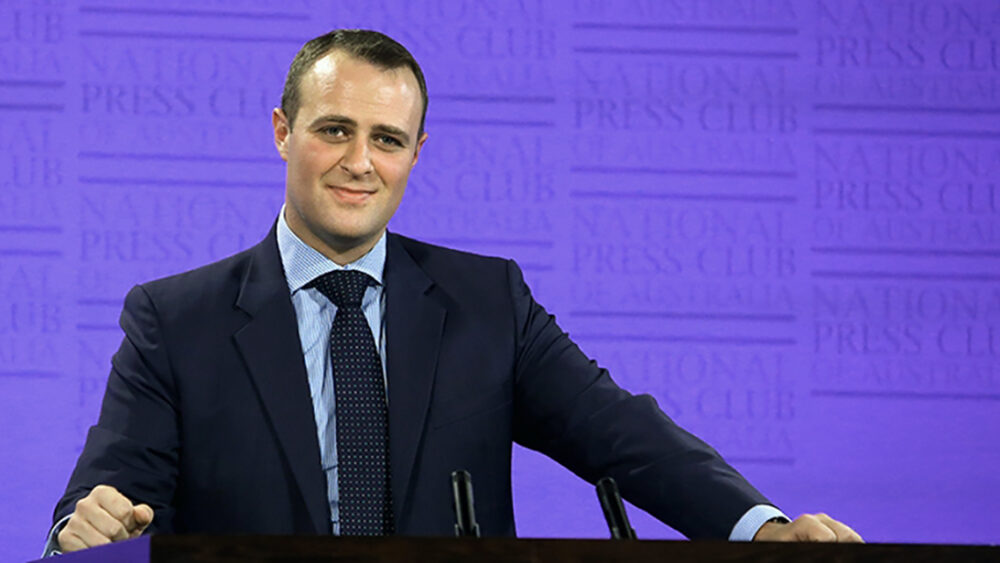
(329,549)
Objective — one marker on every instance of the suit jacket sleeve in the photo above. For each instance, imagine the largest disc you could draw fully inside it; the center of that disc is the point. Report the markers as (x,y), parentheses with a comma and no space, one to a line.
(569,408)
(134,445)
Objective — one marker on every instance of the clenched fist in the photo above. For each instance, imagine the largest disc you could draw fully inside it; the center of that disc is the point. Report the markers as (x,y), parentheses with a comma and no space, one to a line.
(808,527)
(102,517)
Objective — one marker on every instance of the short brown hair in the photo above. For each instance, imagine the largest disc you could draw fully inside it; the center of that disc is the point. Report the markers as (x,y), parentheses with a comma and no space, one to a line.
(370,46)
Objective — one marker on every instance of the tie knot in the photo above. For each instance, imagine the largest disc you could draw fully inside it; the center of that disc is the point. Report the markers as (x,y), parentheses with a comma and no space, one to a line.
(344,288)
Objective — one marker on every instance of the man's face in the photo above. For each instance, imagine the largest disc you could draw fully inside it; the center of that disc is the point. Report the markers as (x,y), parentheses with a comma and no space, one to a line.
(349,152)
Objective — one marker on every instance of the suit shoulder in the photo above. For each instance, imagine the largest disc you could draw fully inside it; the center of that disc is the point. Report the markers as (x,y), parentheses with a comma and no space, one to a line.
(480,287)
(204,283)
(434,258)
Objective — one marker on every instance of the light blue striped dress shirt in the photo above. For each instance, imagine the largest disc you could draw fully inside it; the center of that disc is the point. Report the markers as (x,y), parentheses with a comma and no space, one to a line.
(314,313)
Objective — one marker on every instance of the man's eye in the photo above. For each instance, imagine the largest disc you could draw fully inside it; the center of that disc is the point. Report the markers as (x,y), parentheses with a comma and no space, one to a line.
(385,139)
(334,131)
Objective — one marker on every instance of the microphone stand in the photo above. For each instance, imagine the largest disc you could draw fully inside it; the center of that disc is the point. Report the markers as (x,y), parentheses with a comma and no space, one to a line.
(463,504)
(614,510)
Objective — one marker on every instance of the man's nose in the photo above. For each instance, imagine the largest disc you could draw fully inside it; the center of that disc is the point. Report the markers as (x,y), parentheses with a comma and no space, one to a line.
(357,159)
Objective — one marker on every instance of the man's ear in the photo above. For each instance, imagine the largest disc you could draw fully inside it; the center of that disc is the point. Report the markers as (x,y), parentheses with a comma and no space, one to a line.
(281,131)
(420,145)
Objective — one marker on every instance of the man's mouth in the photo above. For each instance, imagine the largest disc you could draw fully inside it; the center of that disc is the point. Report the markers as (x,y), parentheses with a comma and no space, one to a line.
(351,195)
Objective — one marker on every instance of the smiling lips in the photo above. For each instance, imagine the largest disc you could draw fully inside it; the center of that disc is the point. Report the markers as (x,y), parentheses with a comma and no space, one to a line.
(349,195)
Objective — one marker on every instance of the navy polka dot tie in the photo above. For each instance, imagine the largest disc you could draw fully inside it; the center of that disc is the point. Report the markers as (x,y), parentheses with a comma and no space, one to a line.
(361,409)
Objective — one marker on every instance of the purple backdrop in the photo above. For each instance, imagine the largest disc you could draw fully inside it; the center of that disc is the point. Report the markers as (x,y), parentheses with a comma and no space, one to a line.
(780,218)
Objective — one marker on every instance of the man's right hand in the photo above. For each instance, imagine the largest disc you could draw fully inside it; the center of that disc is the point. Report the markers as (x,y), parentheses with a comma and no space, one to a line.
(102,517)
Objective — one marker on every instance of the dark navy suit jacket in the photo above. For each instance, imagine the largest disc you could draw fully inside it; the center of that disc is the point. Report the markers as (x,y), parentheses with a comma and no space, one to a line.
(207,415)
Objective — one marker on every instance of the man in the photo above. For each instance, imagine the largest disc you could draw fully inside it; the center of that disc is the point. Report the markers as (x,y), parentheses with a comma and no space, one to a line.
(415,360)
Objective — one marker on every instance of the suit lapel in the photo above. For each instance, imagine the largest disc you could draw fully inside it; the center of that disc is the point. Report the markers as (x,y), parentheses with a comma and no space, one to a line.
(414,325)
(271,349)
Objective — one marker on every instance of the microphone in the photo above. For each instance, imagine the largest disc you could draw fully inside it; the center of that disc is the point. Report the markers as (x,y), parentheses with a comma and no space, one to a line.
(464,505)
(614,510)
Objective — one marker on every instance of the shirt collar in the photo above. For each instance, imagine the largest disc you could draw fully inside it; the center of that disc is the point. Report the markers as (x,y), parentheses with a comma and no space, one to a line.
(303,263)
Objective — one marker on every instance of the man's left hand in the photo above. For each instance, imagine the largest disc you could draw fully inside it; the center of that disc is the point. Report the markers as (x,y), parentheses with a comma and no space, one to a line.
(808,527)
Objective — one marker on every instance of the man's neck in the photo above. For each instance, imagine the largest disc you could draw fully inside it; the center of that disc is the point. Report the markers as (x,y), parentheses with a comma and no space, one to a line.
(339,254)
(345,256)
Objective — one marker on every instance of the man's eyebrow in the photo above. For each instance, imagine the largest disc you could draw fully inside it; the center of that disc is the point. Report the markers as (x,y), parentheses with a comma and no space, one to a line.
(381,128)
(334,119)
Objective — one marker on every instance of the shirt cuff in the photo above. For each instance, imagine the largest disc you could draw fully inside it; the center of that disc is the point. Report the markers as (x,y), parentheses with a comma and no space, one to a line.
(52,543)
(747,526)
